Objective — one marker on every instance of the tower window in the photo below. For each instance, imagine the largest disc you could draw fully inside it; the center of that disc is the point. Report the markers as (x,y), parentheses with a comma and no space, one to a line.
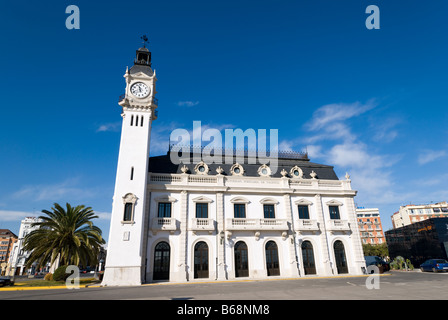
(141,124)
(136,121)
(132,120)
(129,205)
(128,208)
(132,173)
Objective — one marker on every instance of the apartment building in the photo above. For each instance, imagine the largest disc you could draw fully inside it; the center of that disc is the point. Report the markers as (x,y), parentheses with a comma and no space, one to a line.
(413,213)
(370,227)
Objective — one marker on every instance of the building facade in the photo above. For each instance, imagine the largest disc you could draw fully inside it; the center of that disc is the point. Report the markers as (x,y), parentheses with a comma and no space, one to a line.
(411,213)
(420,241)
(195,221)
(7,241)
(18,257)
(370,227)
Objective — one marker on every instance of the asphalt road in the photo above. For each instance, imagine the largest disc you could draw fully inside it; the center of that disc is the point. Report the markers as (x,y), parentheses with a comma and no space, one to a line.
(392,285)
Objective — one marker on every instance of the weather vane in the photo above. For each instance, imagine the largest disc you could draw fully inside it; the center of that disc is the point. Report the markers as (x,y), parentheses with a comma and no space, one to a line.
(145,40)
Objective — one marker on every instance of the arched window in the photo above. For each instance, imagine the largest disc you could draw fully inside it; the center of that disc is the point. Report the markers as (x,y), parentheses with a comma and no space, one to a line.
(339,254)
(161,261)
(272,264)
(201,260)
(308,258)
(241,259)
(129,201)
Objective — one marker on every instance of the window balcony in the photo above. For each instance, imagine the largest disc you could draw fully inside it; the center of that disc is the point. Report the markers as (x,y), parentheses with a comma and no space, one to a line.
(338,225)
(306,225)
(256,224)
(164,224)
(202,224)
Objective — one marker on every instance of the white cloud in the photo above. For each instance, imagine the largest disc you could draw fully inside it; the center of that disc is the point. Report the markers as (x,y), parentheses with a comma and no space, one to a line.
(103,215)
(53,192)
(9,215)
(187,103)
(114,127)
(427,156)
(331,113)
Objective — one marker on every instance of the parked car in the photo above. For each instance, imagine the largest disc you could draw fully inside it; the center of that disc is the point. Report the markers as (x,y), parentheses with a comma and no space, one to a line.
(5,281)
(377,261)
(434,265)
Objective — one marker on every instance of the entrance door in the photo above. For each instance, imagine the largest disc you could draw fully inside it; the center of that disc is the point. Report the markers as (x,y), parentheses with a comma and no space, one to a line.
(241,260)
(161,261)
(308,258)
(339,254)
(201,260)
(272,264)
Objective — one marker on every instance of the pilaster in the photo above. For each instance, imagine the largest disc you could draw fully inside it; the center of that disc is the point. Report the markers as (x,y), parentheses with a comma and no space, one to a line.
(326,263)
(293,267)
(220,234)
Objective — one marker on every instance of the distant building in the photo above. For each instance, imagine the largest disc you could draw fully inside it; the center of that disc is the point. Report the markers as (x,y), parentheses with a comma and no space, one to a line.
(19,256)
(369,224)
(7,240)
(419,241)
(412,213)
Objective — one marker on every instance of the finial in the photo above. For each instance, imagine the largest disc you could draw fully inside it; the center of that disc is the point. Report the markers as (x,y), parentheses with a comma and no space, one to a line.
(347,176)
(145,40)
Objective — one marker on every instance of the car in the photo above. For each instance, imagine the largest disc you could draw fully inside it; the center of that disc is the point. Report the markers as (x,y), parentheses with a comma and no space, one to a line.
(434,265)
(377,261)
(5,281)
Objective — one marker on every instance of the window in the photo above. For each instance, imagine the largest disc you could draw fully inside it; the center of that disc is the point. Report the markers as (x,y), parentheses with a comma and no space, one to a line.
(334,212)
(239,210)
(164,210)
(303,212)
(269,212)
(128,211)
(201,210)
(132,173)
(129,203)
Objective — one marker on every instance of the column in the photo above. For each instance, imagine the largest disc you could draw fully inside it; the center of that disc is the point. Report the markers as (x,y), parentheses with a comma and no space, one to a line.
(221,236)
(293,263)
(182,263)
(355,237)
(323,236)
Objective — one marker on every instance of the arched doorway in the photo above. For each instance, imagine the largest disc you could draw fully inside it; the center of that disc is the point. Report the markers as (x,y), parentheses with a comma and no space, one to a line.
(161,261)
(241,260)
(272,264)
(308,258)
(200,260)
(339,254)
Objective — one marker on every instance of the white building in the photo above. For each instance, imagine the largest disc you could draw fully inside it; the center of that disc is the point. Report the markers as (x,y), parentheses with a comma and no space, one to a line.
(412,213)
(18,257)
(189,222)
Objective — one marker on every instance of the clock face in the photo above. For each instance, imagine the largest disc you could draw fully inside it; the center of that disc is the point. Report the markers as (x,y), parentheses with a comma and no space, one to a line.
(140,90)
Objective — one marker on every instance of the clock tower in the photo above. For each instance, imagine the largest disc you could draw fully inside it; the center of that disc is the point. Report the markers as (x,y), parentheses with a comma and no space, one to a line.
(125,263)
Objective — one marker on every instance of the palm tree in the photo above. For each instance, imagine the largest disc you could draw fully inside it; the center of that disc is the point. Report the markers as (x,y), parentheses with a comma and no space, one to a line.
(64,234)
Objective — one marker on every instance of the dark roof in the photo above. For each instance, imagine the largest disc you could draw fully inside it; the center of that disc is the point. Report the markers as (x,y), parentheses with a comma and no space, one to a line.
(163,164)
(136,68)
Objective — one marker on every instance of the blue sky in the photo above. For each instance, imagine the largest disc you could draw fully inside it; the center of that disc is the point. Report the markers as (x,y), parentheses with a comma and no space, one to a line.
(370,102)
